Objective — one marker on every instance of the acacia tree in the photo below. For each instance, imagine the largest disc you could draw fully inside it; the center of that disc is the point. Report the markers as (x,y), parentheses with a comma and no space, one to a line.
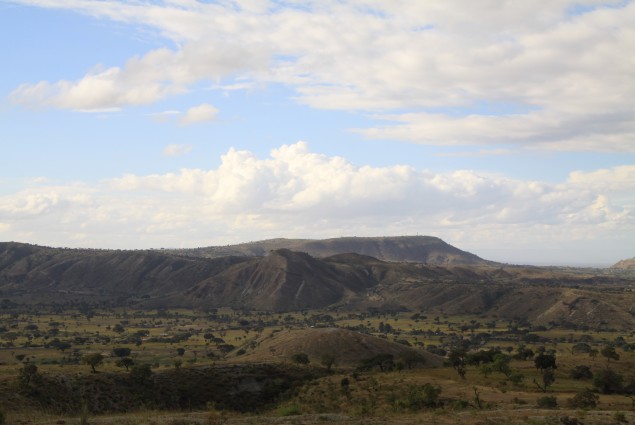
(121,351)
(548,378)
(609,352)
(28,377)
(125,362)
(328,361)
(457,360)
(93,360)
(547,365)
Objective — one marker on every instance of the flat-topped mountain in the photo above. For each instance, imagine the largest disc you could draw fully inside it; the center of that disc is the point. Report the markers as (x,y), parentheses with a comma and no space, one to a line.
(419,249)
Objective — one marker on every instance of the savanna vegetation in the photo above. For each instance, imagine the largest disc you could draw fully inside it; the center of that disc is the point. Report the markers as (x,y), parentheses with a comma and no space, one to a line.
(83,364)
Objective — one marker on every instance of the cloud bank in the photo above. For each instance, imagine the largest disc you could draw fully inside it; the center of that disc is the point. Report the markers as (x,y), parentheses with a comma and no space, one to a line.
(552,75)
(297,193)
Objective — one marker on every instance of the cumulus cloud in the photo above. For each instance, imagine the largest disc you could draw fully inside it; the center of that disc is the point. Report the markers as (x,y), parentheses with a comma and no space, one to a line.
(561,63)
(199,114)
(298,193)
(142,80)
(176,150)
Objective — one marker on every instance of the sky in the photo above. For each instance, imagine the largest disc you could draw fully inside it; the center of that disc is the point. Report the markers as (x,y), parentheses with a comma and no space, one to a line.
(504,127)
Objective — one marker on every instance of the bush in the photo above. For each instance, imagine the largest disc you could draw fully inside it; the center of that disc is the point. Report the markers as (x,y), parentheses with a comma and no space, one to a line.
(547,402)
(585,399)
(460,404)
(290,410)
(516,378)
(608,381)
(141,372)
(385,362)
(570,421)
(2,418)
(300,358)
(121,352)
(620,417)
(581,372)
(415,397)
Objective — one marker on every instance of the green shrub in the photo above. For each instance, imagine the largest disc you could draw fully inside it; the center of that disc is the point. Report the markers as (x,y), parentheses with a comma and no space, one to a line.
(300,358)
(581,372)
(607,381)
(585,399)
(517,400)
(460,404)
(415,397)
(289,410)
(620,417)
(3,419)
(547,402)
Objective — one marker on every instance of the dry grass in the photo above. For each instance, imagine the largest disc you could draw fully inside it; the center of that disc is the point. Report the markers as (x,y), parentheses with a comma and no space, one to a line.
(505,403)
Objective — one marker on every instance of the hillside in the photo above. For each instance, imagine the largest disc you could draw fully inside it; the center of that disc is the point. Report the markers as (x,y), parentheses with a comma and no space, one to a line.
(58,274)
(346,346)
(420,249)
(285,280)
(628,264)
(281,281)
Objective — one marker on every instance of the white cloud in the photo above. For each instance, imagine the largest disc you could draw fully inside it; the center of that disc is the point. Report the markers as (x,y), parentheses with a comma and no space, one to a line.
(177,150)
(198,114)
(297,193)
(567,73)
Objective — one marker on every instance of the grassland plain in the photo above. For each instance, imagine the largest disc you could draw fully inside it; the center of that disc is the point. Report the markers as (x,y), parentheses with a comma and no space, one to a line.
(187,350)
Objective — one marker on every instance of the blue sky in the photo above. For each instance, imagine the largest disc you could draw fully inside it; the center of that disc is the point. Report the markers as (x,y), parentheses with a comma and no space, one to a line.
(505,128)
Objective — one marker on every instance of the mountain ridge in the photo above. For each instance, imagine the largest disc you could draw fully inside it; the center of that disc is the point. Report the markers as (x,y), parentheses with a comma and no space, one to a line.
(421,249)
(287,280)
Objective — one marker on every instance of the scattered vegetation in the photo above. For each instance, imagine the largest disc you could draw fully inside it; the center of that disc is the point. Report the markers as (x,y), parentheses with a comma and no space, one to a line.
(239,362)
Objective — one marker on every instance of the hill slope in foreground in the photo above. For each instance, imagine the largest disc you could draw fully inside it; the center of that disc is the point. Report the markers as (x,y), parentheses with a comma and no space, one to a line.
(347,347)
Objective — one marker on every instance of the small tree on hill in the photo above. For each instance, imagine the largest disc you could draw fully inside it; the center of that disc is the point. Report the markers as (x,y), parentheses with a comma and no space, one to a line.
(547,365)
(581,372)
(385,362)
(608,381)
(501,364)
(545,361)
(141,372)
(328,361)
(581,347)
(585,399)
(609,352)
(121,351)
(125,362)
(412,358)
(28,377)
(93,360)
(63,346)
(457,360)
(547,379)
